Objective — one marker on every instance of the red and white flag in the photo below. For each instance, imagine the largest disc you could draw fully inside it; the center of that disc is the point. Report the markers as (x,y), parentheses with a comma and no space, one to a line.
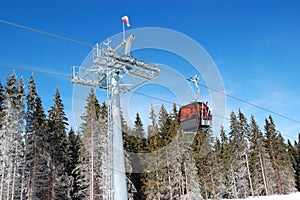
(125,19)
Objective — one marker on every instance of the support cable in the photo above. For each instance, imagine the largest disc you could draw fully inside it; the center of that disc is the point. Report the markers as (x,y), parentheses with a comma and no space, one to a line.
(156,98)
(90,45)
(46,33)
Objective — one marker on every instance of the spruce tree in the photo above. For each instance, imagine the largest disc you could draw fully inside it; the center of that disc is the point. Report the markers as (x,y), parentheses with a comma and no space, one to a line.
(128,149)
(137,146)
(2,98)
(60,182)
(154,181)
(151,161)
(164,122)
(284,179)
(73,155)
(171,171)
(285,167)
(94,169)
(297,171)
(239,179)
(261,167)
(225,162)
(37,155)
(11,139)
(182,171)
(218,173)
(202,149)
(292,150)
(245,133)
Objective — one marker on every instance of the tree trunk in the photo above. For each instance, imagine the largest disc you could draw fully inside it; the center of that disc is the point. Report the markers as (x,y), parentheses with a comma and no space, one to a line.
(2,179)
(52,183)
(92,164)
(249,175)
(234,182)
(14,174)
(263,175)
(213,183)
(23,173)
(32,177)
(206,194)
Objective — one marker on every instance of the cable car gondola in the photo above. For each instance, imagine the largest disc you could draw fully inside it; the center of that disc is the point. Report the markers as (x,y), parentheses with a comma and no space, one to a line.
(195,116)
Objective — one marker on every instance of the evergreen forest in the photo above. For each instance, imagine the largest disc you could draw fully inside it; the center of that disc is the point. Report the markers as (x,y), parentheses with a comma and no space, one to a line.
(41,158)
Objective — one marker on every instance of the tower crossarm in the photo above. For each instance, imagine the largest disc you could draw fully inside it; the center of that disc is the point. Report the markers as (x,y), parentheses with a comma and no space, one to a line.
(126,43)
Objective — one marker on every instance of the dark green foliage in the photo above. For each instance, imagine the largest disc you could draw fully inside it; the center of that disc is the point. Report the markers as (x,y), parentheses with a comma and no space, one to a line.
(293,152)
(223,155)
(137,146)
(280,159)
(204,158)
(37,152)
(239,132)
(260,165)
(75,144)
(57,139)
(57,136)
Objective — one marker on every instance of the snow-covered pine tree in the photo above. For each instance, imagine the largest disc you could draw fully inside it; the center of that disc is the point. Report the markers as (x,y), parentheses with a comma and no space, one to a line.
(35,170)
(136,145)
(182,179)
(2,98)
(11,139)
(2,135)
(297,173)
(155,186)
(202,149)
(60,182)
(192,189)
(292,150)
(153,127)
(284,179)
(151,161)
(239,130)
(171,155)
(126,132)
(94,163)
(171,172)
(285,167)
(82,172)
(19,143)
(74,147)
(223,155)
(41,183)
(261,167)
(218,170)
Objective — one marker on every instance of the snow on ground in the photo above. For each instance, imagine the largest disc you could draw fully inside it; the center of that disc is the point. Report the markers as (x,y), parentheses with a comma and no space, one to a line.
(293,196)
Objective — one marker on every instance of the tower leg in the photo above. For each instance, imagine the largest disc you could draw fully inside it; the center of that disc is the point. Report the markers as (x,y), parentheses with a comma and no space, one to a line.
(118,165)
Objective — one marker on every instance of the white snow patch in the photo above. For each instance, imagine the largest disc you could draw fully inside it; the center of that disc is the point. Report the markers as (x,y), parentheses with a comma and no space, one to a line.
(292,196)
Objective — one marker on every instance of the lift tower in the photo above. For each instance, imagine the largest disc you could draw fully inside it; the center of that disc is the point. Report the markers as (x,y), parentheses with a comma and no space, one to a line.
(117,73)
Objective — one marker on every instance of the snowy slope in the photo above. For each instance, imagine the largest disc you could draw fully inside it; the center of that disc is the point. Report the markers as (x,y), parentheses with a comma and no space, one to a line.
(293,196)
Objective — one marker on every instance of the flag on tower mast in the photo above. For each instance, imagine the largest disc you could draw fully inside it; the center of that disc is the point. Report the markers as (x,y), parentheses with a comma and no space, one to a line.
(125,19)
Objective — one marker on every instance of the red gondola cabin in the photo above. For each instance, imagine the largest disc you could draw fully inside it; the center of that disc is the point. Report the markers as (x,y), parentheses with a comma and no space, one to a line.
(195,117)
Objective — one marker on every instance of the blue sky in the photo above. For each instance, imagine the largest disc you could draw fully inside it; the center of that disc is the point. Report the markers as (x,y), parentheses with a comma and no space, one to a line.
(254,44)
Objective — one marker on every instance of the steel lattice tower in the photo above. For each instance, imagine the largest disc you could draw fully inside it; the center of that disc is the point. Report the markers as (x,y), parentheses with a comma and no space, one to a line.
(108,71)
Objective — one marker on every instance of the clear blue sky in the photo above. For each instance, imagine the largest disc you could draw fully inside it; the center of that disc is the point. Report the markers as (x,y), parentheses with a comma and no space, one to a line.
(254,43)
